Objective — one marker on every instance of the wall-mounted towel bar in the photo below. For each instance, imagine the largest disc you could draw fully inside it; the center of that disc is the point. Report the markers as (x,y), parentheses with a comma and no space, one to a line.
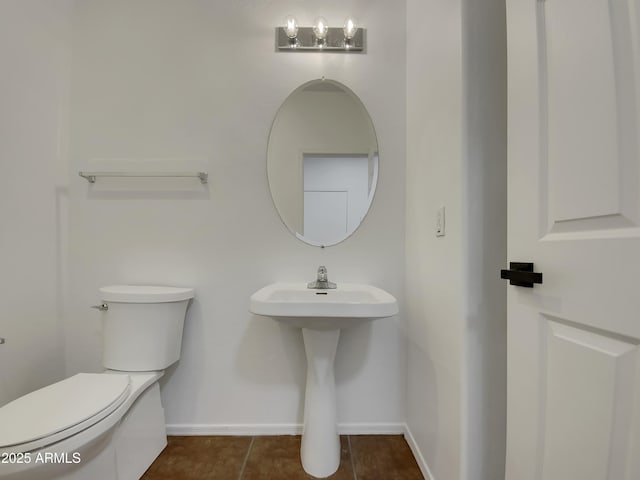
(91,176)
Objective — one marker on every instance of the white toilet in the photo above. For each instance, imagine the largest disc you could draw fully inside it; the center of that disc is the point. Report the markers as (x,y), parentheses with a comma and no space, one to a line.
(102,426)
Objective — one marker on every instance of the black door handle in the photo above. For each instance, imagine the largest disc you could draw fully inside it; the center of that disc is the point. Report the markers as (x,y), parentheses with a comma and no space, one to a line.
(521,274)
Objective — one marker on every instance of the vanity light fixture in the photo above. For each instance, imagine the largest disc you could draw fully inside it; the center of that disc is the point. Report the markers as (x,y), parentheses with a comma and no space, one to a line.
(350,28)
(320,29)
(320,37)
(291,29)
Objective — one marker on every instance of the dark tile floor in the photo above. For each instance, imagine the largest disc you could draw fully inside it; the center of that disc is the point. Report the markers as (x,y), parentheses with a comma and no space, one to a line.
(364,457)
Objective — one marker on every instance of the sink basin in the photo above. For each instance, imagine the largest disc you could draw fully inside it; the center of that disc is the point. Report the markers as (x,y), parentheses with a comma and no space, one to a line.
(321,314)
(299,306)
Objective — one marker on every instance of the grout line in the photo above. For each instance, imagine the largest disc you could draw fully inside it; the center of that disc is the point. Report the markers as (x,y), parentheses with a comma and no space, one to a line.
(246,459)
(353,465)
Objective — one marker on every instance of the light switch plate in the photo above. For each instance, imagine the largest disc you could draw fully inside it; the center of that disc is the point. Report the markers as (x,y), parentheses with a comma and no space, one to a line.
(440,222)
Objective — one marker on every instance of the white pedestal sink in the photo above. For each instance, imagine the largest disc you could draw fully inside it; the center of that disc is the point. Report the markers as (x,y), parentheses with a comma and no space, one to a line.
(321,314)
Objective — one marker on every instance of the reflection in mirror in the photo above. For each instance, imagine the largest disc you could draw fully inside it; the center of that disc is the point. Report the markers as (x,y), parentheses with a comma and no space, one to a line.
(322,162)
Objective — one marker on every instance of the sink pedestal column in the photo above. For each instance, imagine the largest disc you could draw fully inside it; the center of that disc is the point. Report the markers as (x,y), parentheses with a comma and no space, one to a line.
(320,451)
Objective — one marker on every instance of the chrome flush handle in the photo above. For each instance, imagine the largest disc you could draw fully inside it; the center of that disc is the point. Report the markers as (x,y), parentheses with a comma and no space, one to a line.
(103,307)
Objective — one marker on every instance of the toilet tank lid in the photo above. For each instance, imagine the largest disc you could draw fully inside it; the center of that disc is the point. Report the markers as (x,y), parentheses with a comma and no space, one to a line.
(145,294)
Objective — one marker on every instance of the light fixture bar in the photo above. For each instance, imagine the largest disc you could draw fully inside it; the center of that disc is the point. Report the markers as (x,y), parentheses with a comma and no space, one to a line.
(306,41)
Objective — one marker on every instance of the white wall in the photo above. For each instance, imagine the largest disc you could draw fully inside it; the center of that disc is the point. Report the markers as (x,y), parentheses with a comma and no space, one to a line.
(199,82)
(34,58)
(434,264)
(456,157)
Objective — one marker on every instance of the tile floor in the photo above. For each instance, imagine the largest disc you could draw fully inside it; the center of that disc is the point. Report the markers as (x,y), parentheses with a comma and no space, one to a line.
(364,457)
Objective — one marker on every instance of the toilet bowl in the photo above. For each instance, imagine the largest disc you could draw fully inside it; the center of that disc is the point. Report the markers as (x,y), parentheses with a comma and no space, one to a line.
(102,426)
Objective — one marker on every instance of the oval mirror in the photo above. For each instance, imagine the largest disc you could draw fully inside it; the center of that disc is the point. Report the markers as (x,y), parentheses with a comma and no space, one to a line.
(322,162)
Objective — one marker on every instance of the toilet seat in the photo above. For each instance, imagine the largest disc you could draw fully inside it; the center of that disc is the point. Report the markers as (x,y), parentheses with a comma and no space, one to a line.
(60,410)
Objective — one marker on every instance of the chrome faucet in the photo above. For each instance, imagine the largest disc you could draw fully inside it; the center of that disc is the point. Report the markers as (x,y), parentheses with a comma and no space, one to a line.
(322,281)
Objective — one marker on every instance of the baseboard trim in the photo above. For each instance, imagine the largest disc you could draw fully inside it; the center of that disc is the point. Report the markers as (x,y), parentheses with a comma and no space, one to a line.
(243,429)
(417,454)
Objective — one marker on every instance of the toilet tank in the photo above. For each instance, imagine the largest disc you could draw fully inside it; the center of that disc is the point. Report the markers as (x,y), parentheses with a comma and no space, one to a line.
(142,327)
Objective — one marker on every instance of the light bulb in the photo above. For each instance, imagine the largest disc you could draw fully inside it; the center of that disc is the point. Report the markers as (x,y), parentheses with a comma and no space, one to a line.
(350,27)
(320,28)
(291,26)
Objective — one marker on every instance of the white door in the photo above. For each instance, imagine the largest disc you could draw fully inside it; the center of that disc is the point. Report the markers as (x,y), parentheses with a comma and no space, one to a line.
(339,172)
(325,216)
(574,211)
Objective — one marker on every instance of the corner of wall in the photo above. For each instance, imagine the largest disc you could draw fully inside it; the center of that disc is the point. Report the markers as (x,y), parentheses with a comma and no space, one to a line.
(484,239)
